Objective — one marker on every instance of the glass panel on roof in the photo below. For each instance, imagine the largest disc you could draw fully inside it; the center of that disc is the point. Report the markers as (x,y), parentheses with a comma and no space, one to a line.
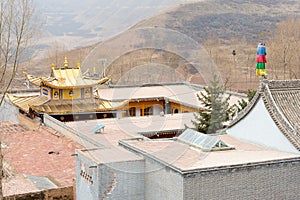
(201,140)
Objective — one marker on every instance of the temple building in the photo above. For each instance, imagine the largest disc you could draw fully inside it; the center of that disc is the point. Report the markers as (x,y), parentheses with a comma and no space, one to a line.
(156,99)
(66,95)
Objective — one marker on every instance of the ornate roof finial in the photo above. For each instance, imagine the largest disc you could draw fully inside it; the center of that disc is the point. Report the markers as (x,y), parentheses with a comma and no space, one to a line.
(78,64)
(53,65)
(66,63)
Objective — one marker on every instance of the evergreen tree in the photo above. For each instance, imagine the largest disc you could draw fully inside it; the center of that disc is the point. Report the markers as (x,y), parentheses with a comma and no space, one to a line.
(242,103)
(216,109)
(251,94)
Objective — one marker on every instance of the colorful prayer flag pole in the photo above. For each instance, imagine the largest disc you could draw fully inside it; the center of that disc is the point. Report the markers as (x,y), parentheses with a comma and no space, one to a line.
(261,60)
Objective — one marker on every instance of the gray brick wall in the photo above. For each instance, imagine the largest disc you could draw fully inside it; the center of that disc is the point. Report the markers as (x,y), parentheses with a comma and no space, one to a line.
(8,112)
(162,182)
(271,181)
(122,180)
(118,181)
(85,189)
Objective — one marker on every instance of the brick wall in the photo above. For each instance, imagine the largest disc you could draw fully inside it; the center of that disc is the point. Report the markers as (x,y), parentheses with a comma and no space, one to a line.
(8,112)
(162,182)
(122,180)
(65,193)
(269,181)
(118,180)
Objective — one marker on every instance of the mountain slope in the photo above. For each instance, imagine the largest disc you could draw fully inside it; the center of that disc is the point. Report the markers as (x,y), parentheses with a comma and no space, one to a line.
(82,23)
(249,21)
(252,20)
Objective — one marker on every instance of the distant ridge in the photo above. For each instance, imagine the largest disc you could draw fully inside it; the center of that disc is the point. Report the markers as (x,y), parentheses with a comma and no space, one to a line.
(251,20)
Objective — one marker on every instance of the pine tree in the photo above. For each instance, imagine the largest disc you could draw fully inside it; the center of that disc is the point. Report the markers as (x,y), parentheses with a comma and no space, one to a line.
(242,103)
(216,109)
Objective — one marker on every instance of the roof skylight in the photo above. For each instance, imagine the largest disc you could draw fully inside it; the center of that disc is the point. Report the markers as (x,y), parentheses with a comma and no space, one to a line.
(203,141)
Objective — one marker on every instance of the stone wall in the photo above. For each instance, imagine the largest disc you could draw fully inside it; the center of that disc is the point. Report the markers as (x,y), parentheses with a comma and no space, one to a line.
(272,180)
(65,193)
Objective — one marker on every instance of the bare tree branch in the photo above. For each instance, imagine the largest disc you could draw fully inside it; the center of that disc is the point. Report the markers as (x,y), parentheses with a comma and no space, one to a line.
(15,32)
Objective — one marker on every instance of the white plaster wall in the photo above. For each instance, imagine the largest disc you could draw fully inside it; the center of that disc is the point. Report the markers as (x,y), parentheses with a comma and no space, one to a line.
(119,114)
(258,127)
(138,112)
(157,109)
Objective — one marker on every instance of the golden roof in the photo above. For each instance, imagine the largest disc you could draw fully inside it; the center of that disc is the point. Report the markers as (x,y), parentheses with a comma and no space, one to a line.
(65,78)
(24,102)
(41,104)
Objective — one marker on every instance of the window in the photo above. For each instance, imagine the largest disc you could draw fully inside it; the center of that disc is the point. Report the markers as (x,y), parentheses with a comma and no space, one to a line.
(55,94)
(148,111)
(132,111)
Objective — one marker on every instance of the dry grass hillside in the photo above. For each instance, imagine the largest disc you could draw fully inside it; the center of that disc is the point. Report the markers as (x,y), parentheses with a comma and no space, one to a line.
(250,20)
(216,25)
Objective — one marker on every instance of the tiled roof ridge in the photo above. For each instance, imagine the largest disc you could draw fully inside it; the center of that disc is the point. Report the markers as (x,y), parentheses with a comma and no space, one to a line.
(155,85)
(248,108)
(282,123)
(279,84)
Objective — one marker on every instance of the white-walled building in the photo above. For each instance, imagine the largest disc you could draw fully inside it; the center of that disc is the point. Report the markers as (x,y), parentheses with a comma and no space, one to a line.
(272,118)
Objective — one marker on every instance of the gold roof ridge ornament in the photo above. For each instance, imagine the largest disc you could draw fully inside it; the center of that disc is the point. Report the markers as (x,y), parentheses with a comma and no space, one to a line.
(66,79)
(66,63)
(64,92)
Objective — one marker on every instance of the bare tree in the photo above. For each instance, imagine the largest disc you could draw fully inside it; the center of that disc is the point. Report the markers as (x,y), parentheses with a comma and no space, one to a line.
(284,50)
(15,31)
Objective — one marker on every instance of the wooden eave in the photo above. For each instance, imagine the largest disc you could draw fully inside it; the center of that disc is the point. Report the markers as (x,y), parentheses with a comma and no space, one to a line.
(52,82)
(45,82)
(77,106)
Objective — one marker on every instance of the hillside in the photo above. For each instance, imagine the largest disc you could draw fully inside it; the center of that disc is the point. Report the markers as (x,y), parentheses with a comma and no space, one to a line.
(218,26)
(76,23)
(250,20)
(201,33)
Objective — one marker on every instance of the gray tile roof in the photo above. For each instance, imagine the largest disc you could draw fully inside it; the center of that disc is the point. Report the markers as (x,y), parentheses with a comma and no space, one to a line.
(282,100)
